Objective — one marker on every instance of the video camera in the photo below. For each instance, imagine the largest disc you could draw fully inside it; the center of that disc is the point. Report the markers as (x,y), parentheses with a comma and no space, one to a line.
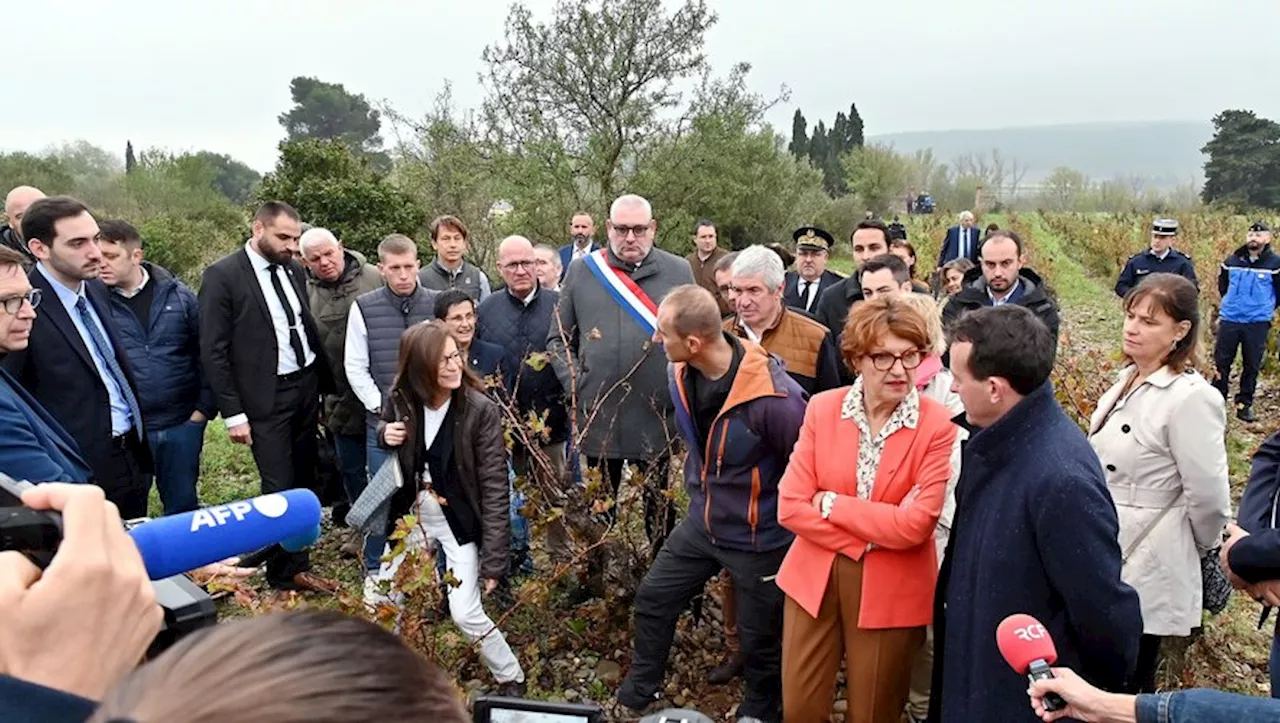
(38,533)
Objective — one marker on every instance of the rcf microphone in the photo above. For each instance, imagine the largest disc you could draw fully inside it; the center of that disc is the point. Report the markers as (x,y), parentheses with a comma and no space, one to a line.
(179,543)
(1028,649)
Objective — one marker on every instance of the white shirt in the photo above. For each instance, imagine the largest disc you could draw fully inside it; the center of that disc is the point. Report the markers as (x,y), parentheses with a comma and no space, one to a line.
(286,360)
(528,299)
(964,242)
(1002,300)
(355,360)
(580,251)
(432,421)
(807,293)
(137,289)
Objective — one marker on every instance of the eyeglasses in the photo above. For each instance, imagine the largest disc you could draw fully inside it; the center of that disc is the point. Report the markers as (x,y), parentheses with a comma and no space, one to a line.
(883,360)
(455,357)
(13,304)
(625,231)
(513,265)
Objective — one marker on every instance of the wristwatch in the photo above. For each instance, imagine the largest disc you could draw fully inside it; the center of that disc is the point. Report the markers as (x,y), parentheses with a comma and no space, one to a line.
(828,503)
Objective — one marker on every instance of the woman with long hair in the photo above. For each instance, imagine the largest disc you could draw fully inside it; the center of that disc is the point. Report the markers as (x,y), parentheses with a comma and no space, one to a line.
(447,436)
(1160,434)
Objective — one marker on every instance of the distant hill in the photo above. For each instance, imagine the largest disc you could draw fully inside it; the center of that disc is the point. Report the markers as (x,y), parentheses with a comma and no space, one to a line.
(1165,152)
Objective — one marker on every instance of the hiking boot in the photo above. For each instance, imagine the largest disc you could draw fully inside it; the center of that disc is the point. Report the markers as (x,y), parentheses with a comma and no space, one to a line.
(1244,412)
(513,689)
(729,668)
(617,710)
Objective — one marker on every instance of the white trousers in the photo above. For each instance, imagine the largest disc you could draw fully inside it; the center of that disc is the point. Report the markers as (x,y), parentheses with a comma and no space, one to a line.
(465,605)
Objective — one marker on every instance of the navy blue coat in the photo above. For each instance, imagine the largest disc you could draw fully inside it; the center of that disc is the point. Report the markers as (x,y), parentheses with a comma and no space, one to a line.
(1257,557)
(1139,266)
(522,330)
(483,357)
(34,446)
(24,702)
(1035,532)
(951,245)
(166,355)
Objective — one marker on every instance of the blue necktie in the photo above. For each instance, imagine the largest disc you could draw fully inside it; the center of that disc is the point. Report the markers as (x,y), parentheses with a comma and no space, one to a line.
(108,355)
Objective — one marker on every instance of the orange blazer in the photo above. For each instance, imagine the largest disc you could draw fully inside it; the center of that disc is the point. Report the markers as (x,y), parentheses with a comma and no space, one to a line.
(901,570)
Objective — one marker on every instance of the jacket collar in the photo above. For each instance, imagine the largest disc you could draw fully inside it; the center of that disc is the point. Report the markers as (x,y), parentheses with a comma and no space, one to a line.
(754,380)
(353,264)
(647,267)
(993,443)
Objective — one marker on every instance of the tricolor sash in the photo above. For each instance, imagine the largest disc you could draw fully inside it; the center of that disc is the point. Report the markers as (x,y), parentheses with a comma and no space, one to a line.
(626,292)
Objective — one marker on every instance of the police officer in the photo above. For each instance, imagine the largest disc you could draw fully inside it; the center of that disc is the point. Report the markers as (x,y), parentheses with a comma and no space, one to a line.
(1250,286)
(1160,258)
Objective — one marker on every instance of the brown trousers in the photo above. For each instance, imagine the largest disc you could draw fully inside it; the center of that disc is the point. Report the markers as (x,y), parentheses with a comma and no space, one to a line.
(877,662)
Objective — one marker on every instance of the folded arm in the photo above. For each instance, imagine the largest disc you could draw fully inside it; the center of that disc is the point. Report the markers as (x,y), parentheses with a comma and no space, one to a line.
(897,526)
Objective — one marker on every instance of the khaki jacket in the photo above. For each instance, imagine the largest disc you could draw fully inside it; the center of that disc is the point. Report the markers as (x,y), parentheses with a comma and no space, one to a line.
(1162,444)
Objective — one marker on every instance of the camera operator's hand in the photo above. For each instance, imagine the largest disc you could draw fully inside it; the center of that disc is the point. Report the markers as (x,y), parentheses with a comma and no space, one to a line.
(1084,702)
(86,620)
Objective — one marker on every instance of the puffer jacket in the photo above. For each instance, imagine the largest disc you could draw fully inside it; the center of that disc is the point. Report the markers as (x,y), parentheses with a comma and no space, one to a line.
(479,460)
(1031,294)
(166,356)
(733,482)
(330,304)
(521,330)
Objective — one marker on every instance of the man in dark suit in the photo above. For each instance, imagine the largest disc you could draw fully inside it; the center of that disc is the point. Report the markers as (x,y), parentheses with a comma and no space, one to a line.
(582,231)
(34,445)
(963,241)
(75,364)
(266,365)
(811,277)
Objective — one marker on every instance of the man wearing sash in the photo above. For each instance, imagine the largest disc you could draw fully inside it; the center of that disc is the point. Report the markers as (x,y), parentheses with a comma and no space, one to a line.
(611,371)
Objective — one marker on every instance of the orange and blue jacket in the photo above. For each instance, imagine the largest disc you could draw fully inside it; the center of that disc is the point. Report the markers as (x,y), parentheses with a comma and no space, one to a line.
(733,480)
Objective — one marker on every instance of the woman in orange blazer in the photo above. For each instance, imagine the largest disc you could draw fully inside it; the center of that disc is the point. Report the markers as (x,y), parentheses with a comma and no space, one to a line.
(862,493)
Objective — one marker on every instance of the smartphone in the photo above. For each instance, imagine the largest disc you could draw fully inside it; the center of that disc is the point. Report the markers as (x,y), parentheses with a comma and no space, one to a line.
(35,533)
(496,709)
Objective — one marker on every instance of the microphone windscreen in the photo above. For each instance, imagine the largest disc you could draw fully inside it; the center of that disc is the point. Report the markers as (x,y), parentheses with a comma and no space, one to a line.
(1022,641)
(179,543)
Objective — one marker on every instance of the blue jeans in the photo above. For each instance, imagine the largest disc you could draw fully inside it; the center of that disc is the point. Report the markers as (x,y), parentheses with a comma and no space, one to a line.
(1205,706)
(522,563)
(375,457)
(351,463)
(175,453)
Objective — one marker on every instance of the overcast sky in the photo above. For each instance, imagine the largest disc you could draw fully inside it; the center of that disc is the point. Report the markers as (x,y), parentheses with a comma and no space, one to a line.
(215,74)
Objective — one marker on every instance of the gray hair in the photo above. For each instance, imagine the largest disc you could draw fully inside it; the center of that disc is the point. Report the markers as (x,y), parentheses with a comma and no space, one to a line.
(966,216)
(760,261)
(314,238)
(630,200)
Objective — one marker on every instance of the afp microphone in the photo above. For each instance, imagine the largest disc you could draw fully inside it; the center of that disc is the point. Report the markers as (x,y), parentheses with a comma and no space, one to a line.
(180,543)
(1028,649)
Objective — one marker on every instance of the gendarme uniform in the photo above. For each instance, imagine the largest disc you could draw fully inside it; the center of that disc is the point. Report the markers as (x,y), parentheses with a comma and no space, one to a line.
(1172,261)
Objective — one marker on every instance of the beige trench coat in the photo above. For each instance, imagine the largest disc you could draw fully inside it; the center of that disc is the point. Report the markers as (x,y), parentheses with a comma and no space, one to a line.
(1164,443)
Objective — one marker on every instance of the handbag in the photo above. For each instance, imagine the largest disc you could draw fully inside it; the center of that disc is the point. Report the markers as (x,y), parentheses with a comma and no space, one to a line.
(1215,589)
(370,511)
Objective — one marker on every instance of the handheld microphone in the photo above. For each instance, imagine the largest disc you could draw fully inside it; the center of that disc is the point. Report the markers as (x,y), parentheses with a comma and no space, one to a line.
(1028,649)
(179,543)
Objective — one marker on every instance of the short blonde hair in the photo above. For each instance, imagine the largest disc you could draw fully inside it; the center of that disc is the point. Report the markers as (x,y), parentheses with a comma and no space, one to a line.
(932,314)
(870,322)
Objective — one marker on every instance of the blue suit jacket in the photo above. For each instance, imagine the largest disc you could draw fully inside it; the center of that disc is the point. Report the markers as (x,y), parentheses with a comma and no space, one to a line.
(34,446)
(951,245)
(566,257)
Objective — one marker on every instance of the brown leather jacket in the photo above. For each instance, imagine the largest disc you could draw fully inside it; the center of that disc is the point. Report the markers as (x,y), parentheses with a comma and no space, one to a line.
(480,459)
(705,275)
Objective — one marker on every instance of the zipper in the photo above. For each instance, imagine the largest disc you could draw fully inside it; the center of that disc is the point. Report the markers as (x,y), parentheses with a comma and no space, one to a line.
(753,507)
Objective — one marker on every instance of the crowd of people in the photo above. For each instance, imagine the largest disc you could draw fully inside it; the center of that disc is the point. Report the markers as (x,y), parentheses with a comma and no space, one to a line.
(877,470)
